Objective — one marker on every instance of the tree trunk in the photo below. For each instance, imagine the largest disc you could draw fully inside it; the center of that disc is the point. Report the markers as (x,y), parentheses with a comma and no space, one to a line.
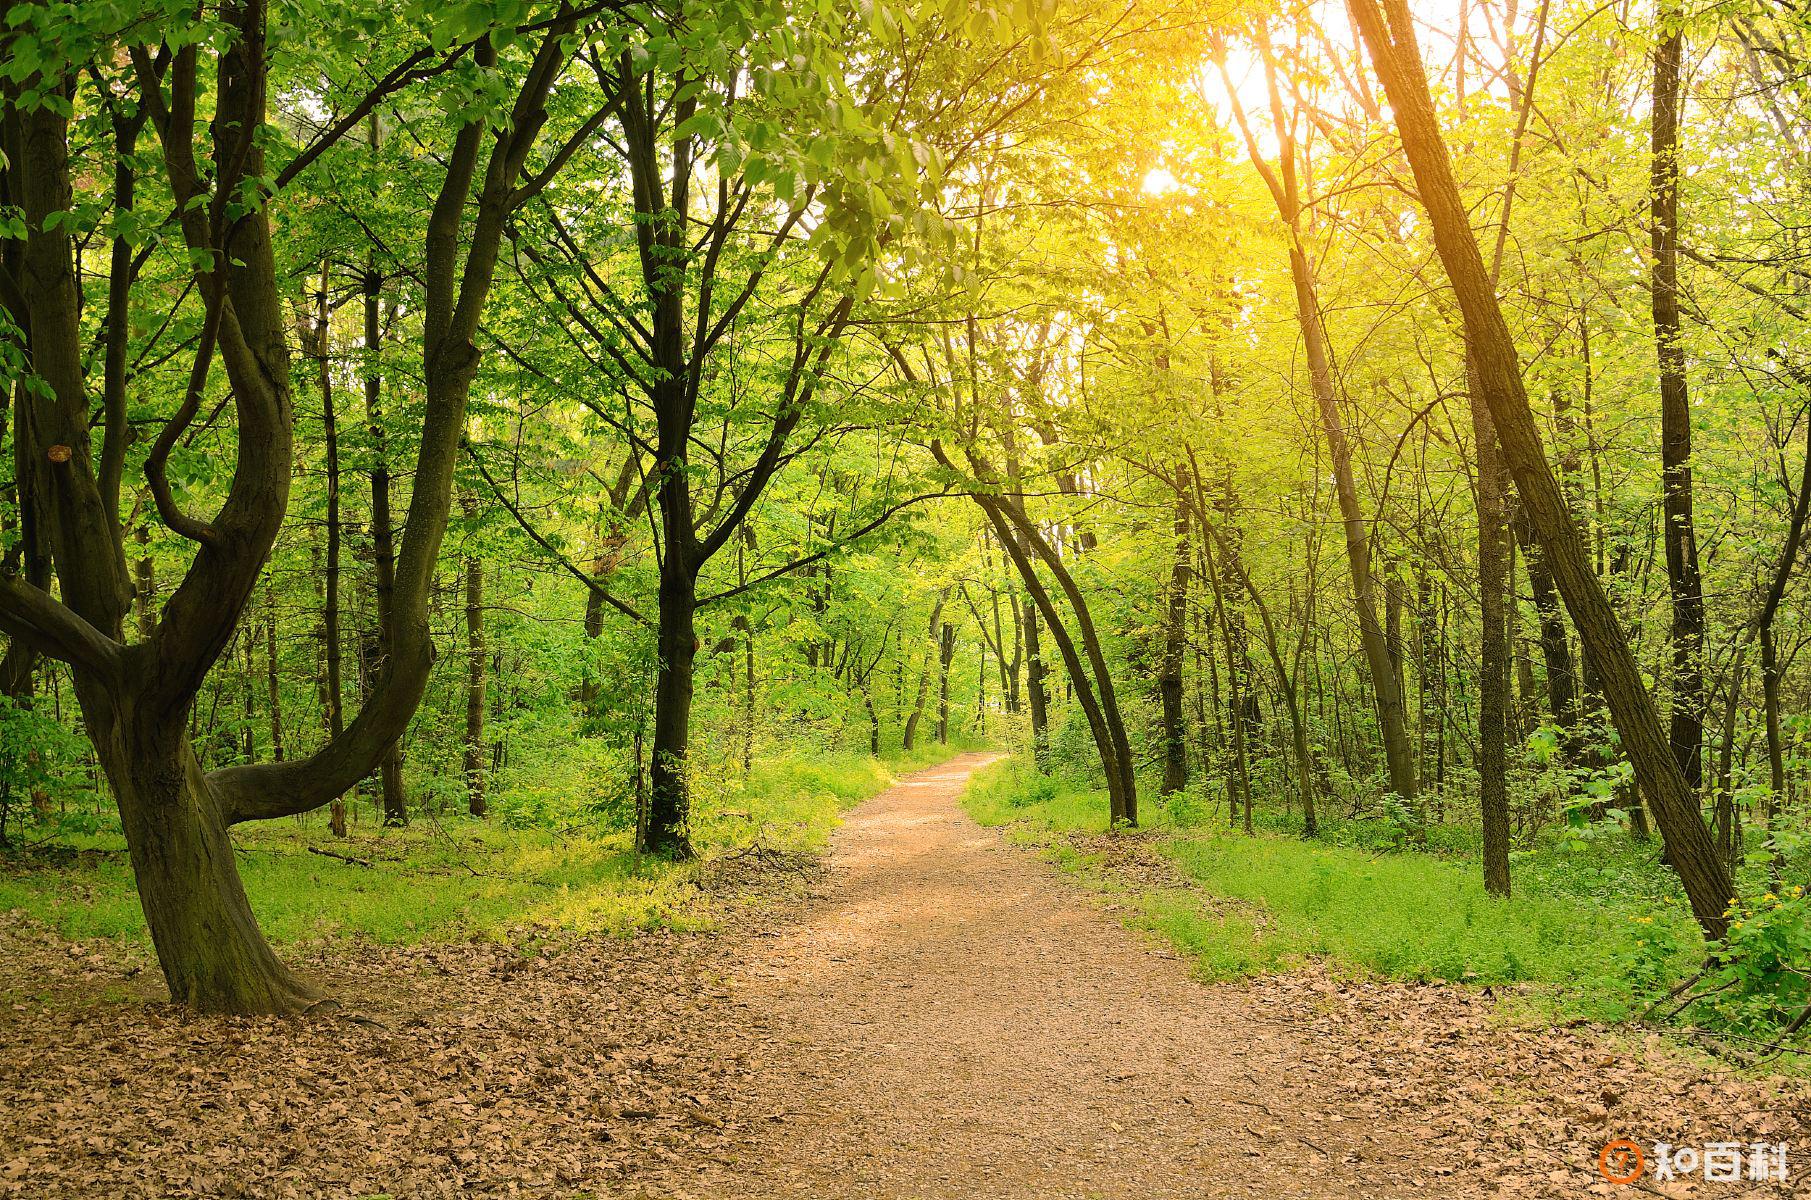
(212,953)
(1690,850)
(1556,646)
(946,652)
(1175,632)
(665,830)
(1725,822)
(1285,190)
(476,660)
(1684,582)
(273,689)
(910,737)
(332,687)
(383,533)
(1037,695)
(1493,663)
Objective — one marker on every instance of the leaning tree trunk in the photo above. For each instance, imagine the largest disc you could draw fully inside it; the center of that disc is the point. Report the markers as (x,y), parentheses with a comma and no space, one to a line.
(1009,514)
(1095,696)
(1285,187)
(1690,850)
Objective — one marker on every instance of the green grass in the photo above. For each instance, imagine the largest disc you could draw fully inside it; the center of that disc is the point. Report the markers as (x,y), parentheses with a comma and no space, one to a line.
(1589,932)
(457,878)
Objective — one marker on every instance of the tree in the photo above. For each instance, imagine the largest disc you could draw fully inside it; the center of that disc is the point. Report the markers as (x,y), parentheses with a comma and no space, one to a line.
(136,697)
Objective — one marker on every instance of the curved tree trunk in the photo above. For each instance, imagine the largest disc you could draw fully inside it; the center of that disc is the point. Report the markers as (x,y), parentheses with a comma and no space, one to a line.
(208,943)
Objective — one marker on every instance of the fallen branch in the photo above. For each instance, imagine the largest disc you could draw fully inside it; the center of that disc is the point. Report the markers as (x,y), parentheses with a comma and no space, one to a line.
(345,858)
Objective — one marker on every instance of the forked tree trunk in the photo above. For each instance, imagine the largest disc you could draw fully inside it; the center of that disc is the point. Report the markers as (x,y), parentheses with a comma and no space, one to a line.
(137,698)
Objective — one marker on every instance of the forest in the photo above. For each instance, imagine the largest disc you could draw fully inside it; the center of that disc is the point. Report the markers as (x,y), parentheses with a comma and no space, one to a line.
(505,503)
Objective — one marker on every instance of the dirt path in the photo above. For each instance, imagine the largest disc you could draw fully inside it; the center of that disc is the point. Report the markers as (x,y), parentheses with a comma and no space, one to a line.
(941,1016)
(951,1019)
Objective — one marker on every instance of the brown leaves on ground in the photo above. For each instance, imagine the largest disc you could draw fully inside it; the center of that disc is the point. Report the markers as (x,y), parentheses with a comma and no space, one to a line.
(452,1070)
(944,1017)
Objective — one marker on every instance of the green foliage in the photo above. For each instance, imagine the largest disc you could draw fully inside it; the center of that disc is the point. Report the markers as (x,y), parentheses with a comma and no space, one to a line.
(1760,983)
(1595,951)
(38,772)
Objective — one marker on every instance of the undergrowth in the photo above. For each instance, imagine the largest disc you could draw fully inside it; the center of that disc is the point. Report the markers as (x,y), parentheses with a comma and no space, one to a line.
(1597,933)
(454,877)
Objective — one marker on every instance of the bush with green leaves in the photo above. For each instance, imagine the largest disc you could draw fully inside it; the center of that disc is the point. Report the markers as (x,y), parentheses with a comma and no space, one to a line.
(38,765)
(1759,983)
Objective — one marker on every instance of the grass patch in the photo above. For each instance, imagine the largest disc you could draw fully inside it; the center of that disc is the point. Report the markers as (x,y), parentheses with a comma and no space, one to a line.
(456,878)
(1579,937)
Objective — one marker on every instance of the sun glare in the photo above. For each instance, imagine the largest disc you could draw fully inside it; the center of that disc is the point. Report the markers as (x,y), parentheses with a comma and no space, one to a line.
(1158,181)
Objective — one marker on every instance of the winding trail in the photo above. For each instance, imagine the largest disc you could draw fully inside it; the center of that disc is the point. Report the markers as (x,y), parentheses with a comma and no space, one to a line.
(950,1018)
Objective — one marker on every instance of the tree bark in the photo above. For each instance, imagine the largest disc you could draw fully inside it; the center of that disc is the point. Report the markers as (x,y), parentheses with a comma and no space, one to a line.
(1684,582)
(137,698)
(1175,633)
(476,660)
(1494,654)
(676,644)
